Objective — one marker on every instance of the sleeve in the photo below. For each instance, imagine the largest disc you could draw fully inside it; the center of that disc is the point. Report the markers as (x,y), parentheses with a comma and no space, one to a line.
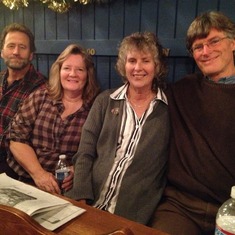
(87,153)
(22,124)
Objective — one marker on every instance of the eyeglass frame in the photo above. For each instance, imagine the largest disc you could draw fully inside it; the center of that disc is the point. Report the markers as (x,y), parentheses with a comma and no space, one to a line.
(210,44)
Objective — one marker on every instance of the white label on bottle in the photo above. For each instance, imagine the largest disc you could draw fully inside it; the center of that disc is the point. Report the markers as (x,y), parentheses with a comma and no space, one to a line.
(225,225)
(60,174)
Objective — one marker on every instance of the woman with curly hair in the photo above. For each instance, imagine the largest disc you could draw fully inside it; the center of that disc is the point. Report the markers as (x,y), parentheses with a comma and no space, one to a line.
(121,161)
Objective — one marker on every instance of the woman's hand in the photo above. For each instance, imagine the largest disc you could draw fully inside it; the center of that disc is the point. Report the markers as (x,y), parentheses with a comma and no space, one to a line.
(46,181)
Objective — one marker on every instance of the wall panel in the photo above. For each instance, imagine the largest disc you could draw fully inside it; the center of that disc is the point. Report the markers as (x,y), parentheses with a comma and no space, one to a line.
(166,19)
(62,29)
(75,23)
(51,25)
(101,22)
(132,17)
(149,21)
(39,22)
(116,20)
(88,22)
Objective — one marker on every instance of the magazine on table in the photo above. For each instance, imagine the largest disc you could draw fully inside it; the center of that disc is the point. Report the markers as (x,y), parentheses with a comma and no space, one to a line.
(48,210)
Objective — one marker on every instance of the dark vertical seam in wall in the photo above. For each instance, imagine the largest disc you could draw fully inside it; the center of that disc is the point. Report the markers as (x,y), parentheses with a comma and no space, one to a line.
(109,20)
(4,18)
(124,17)
(157,18)
(33,19)
(56,28)
(176,16)
(44,18)
(81,22)
(80,15)
(94,33)
(23,15)
(140,19)
(197,4)
(68,29)
(218,5)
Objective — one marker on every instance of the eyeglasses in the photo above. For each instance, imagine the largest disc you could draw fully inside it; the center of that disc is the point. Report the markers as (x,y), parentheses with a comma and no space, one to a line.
(197,49)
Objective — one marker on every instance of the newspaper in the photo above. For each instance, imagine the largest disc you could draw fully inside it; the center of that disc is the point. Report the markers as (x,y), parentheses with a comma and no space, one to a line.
(48,210)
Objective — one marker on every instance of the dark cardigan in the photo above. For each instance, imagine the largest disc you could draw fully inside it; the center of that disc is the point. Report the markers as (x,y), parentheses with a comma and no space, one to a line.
(144,180)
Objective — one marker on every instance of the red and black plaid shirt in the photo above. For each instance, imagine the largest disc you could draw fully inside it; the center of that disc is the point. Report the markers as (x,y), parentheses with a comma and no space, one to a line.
(11,97)
(38,123)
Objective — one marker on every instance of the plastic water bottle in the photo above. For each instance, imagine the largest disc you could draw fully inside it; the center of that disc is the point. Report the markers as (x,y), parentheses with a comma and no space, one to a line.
(225,218)
(61,171)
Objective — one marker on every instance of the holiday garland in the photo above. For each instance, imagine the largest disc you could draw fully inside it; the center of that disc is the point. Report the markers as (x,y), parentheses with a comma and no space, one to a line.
(60,6)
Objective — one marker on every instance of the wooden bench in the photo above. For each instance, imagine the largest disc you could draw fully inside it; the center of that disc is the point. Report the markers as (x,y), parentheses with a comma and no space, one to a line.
(14,221)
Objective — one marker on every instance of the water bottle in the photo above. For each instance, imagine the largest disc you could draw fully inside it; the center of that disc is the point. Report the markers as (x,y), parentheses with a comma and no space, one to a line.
(61,171)
(225,218)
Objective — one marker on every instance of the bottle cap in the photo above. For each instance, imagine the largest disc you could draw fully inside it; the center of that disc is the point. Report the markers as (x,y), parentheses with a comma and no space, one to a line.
(233,192)
(62,156)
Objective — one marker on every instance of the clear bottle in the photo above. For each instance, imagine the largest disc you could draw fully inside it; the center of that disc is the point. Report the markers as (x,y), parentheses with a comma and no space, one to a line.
(225,218)
(61,171)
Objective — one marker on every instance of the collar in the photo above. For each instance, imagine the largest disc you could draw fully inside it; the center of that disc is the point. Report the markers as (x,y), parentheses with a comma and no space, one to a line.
(225,80)
(121,94)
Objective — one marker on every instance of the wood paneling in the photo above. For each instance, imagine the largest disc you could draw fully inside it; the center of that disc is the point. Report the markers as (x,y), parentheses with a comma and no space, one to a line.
(102,26)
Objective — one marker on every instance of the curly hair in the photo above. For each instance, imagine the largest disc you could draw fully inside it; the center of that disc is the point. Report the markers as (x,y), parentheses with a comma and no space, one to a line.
(145,42)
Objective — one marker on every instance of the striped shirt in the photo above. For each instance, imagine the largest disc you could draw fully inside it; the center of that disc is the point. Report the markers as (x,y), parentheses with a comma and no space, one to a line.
(130,133)
(38,123)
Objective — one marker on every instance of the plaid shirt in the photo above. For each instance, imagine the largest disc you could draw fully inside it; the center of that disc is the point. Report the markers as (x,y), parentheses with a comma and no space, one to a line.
(11,97)
(38,123)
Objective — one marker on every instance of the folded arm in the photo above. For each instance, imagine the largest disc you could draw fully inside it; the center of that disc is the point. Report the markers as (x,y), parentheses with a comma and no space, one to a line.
(26,157)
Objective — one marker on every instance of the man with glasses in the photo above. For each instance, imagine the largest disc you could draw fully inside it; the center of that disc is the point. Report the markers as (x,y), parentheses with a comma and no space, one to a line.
(202,151)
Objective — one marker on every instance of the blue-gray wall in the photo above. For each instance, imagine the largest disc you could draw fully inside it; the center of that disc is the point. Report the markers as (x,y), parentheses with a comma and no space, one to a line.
(100,27)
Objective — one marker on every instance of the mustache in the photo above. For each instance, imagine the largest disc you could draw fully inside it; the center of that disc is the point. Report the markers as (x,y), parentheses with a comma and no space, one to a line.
(15,57)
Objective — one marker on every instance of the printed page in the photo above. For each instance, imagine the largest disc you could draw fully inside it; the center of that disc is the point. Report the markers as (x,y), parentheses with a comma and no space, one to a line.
(55,218)
(48,210)
(27,198)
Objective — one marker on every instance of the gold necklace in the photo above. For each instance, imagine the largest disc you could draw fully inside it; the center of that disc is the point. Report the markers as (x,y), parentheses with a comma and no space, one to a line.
(137,105)
(142,105)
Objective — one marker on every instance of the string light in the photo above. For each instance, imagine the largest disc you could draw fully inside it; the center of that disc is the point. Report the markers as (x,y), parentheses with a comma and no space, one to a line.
(60,6)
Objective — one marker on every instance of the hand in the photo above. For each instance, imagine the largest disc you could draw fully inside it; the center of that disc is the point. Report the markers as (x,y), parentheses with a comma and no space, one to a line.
(46,181)
(68,181)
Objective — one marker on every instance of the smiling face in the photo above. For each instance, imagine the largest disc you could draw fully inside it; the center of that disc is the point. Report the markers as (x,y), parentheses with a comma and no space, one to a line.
(140,69)
(215,61)
(73,74)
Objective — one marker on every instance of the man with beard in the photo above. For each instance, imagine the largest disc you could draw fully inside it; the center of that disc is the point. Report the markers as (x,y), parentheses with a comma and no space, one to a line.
(17,81)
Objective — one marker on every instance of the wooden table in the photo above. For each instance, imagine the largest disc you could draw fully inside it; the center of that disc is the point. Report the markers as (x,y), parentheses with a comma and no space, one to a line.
(98,222)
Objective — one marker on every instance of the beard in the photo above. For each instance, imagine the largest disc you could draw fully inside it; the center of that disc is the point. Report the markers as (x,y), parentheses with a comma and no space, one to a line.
(17,64)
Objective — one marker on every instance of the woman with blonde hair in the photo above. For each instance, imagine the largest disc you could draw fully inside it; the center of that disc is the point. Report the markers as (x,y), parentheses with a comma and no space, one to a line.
(49,122)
